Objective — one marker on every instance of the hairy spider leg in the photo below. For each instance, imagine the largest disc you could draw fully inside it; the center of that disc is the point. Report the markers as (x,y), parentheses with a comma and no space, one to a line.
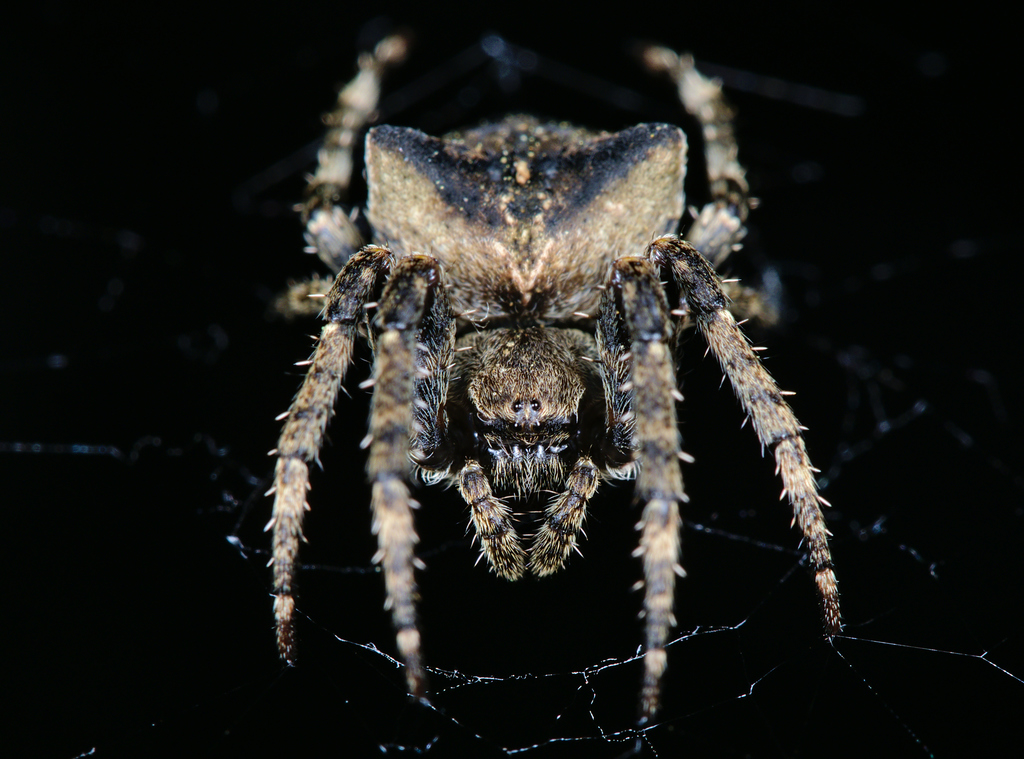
(720,225)
(306,420)
(718,229)
(331,229)
(405,313)
(702,299)
(715,234)
(634,313)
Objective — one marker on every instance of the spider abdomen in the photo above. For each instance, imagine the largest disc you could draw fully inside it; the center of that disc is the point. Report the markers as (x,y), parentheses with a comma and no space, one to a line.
(525,216)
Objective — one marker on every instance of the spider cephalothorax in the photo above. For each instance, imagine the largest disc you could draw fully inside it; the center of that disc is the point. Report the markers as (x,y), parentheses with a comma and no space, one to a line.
(524,390)
(524,341)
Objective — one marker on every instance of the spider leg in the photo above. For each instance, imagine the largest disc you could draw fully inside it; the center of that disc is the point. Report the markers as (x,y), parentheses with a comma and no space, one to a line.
(719,226)
(750,304)
(306,421)
(563,519)
(330,231)
(634,311)
(435,350)
(492,520)
(616,448)
(413,298)
(302,299)
(776,425)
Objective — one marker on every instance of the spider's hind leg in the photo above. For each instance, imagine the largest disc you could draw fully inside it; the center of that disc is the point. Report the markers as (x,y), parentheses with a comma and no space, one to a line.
(330,231)
(333,232)
(719,226)
(718,229)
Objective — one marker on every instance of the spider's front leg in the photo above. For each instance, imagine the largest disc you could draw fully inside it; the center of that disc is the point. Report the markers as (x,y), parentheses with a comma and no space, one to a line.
(777,427)
(634,338)
(413,349)
(306,421)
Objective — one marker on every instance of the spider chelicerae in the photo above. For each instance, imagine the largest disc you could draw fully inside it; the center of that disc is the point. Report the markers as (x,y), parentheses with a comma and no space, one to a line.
(523,339)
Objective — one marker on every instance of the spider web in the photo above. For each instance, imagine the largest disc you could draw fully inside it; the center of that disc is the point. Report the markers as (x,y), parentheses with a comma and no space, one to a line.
(143,380)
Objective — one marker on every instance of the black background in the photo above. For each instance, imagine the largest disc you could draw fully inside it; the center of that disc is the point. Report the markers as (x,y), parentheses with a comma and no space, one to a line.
(150,158)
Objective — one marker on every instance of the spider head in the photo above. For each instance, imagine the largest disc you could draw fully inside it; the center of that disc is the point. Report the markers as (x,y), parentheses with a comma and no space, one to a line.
(527,386)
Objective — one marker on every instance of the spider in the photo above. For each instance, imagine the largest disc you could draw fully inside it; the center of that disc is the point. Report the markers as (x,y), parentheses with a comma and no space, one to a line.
(524,340)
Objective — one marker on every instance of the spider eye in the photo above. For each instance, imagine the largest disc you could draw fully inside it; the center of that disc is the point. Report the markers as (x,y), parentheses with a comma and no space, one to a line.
(517,406)
(535,404)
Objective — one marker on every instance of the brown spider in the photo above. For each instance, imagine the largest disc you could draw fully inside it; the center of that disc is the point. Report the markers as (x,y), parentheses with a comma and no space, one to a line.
(558,368)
